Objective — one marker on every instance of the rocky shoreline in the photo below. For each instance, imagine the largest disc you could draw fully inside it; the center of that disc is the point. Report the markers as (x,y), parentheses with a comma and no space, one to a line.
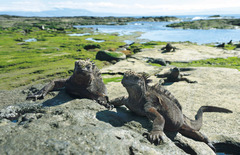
(60,124)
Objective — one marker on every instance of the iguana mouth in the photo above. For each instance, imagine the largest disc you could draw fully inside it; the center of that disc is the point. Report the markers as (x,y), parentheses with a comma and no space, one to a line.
(83,71)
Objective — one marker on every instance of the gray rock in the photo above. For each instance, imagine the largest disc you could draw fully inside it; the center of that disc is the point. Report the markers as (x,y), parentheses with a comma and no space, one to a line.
(159,61)
(14,111)
(80,127)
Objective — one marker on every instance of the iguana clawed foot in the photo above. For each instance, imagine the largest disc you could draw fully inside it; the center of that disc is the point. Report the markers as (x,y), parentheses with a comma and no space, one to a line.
(105,102)
(211,146)
(155,137)
(34,97)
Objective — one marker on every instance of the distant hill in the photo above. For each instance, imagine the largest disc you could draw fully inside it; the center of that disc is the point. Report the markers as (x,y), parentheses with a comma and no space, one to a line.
(59,13)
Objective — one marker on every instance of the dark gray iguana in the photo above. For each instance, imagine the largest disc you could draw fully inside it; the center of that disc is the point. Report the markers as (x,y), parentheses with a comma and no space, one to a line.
(169,48)
(174,75)
(160,106)
(86,82)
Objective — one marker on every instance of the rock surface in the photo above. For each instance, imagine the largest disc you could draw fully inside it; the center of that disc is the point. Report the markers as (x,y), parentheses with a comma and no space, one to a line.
(80,126)
(130,64)
(186,53)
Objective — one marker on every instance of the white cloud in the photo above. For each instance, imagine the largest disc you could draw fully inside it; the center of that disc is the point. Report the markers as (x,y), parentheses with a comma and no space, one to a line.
(88,5)
(25,5)
(124,6)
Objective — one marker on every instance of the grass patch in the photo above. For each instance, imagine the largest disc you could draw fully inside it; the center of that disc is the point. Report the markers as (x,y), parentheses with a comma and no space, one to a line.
(152,44)
(230,47)
(52,56)
(231,62)
(113,79)
(155,64)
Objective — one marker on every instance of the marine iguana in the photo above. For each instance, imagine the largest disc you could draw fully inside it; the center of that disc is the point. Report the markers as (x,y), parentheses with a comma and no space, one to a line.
(86,82)
(160,106)
(174,75)
(221,45)
(230,42)
(169,48)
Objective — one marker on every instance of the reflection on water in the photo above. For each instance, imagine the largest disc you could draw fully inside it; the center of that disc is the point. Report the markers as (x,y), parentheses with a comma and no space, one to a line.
(95,40)
(31,40)
(79,34)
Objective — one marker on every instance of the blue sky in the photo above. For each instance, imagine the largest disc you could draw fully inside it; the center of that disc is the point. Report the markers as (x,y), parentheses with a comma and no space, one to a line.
(131,7)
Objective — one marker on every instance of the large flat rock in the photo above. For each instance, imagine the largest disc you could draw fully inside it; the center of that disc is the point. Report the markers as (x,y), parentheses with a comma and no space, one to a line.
(130,64)
(186,53)
(80,127)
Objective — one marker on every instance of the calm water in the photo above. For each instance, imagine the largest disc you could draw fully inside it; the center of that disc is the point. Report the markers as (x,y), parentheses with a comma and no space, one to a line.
(157,31)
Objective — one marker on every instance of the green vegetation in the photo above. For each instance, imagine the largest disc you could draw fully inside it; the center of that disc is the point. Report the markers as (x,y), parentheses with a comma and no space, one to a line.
(231,62)
(154,64)
(151,44)
(113,79)
(208,24)
(51,56)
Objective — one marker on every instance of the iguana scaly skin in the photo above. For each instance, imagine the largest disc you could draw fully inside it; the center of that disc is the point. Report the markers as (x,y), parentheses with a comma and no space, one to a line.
(86,82)
(160,106)
(174,75)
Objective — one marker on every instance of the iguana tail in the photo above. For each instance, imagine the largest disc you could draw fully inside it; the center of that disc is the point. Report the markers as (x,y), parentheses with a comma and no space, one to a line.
(197,123)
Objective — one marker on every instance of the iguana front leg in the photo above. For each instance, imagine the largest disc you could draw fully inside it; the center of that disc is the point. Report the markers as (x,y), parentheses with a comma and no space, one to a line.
(156,135)
(187,80)
(104,100)
(119,101)
(53,85)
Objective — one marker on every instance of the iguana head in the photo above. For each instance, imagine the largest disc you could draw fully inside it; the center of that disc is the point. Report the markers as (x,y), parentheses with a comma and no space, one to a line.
(134,81)
(84,67)
(84,72)
(175,69)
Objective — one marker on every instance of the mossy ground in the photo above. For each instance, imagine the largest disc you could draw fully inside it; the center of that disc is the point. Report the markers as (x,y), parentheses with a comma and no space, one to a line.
(231,62)
(51,56)
(106,80)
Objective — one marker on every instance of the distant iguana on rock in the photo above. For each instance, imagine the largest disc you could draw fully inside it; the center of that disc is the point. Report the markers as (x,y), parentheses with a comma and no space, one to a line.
(174,75)
(86,82)
(160,106)
(169,48)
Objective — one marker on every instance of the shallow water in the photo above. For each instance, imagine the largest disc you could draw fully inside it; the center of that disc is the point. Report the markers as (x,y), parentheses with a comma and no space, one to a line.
(94,40)
(31,40)
(157,31)
(79,34)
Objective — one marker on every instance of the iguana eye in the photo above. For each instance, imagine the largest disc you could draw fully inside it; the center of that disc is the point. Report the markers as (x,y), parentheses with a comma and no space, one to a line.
(88,66)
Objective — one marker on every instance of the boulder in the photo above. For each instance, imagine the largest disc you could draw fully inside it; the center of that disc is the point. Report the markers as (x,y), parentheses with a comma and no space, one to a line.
(91,46)
(159,61)
(110,56)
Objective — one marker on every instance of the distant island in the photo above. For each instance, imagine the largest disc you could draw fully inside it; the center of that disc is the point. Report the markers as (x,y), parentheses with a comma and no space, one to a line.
(214,16)
(68,22)
(208,24)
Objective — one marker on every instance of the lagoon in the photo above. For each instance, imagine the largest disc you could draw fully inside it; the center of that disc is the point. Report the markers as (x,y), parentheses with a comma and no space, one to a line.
(157,31)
